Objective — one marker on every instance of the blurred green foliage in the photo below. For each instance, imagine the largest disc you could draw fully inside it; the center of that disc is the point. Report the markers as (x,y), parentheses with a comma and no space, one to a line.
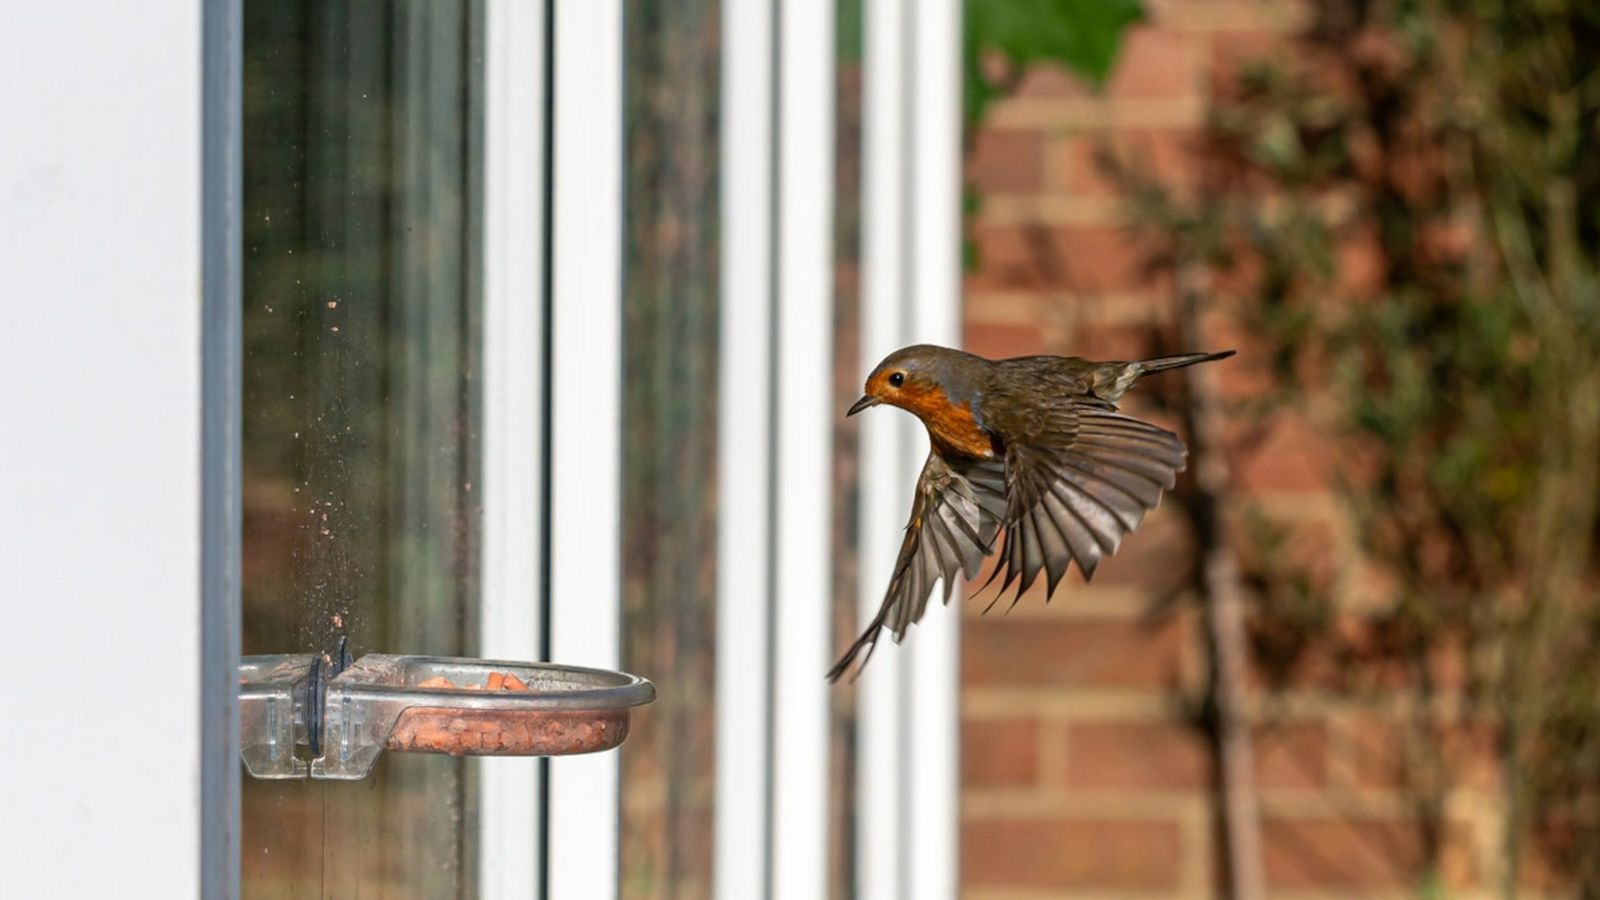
(1003,38)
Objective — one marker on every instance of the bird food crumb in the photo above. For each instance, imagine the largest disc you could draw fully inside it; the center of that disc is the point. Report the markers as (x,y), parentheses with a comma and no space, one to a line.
(486,732)
(497,681)
(482,732)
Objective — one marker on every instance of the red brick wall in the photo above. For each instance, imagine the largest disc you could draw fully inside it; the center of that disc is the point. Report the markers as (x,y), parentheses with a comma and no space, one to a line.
(1082,775)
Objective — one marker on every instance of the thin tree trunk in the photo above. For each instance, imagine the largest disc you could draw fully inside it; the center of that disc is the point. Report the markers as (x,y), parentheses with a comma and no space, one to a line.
(1224,616)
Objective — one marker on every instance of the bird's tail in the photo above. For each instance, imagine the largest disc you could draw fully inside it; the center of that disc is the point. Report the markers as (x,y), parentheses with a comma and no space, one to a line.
(1163,363)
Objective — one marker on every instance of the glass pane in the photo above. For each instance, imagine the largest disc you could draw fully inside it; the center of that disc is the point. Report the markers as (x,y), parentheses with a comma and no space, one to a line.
(846,462)
(669,443)
(361,302)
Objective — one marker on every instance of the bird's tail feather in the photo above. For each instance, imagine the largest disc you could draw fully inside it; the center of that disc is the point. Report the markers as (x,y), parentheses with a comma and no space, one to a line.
(1163,363)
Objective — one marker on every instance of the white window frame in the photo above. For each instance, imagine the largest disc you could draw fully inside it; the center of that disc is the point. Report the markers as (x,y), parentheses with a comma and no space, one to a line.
(585,421)
(803,460)
(775,450)
(552,426)
(775,447)
(120,231)
(744,454)
(909,714)
(512,607)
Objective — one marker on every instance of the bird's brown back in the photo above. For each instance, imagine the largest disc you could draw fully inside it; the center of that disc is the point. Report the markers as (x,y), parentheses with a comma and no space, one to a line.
(1022,392)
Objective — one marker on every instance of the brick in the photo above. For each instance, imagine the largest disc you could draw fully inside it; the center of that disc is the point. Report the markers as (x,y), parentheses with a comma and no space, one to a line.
(1008,308)
(1307,544)
(1446,242)
(1018,322)
(1363,853)
(999,752)
(1280,659)
(1051,82)
(1293,456)
(1235,52)
(1291,756)
(1097,112)
(1089,653)
(1244,274)
(1247,375)
(997,341)
(1449,666)
(1136,755)
(1074,258)
(1159,556)
(1164,155)
(1360,266)
(1349,853)
(1379,757)
(1547,863)
(1006,160)
(1008,257)
(1157,63)
(1229,15)
(1371,584)
(1074,166)
(1123,340)
(1044,853)
(1098,258)
(1144,309)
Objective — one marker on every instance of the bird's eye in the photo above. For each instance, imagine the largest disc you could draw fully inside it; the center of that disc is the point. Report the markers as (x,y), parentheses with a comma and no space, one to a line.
(897,379)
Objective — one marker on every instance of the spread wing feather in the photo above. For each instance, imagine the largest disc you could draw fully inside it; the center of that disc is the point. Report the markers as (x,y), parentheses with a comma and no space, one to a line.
(1076,488)
(1068,494)
(955,517)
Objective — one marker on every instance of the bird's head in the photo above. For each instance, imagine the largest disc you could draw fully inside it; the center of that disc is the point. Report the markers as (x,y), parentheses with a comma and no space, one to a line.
(911,377)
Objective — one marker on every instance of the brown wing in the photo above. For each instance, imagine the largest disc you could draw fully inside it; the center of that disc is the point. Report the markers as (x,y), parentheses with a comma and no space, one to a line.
(955,516)
(1081,483)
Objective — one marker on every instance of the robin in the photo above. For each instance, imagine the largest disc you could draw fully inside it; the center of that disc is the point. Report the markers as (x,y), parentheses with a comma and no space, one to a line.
(1033,446)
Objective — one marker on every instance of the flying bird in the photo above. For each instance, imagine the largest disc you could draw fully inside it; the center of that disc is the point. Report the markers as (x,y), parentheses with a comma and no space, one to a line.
(1033,447)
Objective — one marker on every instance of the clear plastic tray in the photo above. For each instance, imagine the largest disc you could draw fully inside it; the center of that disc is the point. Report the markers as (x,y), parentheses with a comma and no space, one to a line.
(379,703)
(272,720)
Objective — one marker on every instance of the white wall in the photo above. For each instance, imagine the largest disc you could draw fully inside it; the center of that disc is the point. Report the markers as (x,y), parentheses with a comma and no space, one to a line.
(100,339)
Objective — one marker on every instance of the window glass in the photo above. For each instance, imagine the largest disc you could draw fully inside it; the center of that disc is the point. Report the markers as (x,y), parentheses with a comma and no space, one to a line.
(846,458)
(361,299)
(669,442)
(671,310)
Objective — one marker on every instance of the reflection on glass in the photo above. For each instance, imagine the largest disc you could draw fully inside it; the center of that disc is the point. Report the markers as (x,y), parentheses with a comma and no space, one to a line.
(846,457)
(669,443)
(361,309)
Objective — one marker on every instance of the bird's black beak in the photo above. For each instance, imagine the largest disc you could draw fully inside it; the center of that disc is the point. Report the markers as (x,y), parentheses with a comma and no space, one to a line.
(861,404)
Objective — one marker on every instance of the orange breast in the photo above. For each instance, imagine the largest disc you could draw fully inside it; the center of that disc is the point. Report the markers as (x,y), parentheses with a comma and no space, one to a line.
(950,425)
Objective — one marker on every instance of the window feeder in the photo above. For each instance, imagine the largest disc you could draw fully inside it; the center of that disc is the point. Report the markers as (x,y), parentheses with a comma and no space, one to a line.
(347,714)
